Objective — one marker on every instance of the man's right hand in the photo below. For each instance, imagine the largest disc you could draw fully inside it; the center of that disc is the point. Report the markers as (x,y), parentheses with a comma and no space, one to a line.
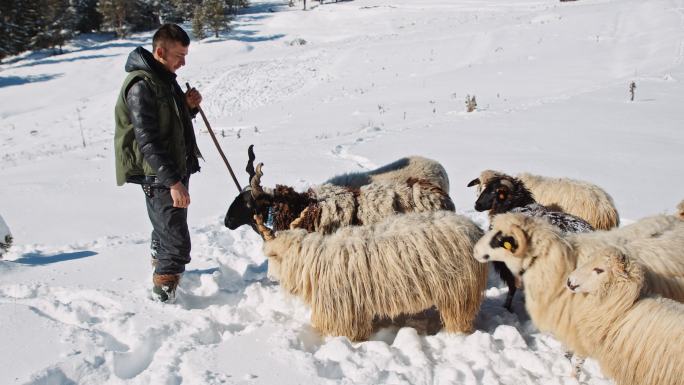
(180,195)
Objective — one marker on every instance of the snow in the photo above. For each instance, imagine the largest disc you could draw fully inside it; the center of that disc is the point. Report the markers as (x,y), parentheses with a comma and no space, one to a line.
(373,82)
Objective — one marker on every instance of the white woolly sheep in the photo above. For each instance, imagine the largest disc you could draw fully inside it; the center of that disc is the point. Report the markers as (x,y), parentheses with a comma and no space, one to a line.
(5,237)
(579,198)
(397,171)
(544,256)
(637,340)
(680,210)
(402,265)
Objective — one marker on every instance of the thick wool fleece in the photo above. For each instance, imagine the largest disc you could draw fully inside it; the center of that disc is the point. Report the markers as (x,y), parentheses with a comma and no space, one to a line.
(582,199)
(340,206)
(398,171)
(402,265)
(636,340)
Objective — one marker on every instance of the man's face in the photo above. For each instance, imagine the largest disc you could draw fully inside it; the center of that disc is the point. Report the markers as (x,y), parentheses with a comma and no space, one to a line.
(171,55)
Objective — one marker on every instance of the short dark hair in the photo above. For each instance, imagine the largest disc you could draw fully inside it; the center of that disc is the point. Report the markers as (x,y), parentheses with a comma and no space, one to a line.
(170,32)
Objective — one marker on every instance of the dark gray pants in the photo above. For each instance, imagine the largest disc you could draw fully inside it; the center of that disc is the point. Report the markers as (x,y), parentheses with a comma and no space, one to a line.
(170,234)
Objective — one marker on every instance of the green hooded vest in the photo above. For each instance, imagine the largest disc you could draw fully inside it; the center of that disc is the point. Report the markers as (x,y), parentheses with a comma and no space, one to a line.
(129,158)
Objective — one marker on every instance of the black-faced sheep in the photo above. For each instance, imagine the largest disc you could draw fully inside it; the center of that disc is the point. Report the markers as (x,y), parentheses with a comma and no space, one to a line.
(543,257)
(636,340)
(402,265)
(5,237)
(579,198)
(503,193)
(327,207)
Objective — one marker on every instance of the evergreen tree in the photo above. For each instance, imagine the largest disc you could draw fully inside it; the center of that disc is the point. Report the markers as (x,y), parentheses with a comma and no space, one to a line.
(19,22)
(215,15)
(186,8)
(88,19)
(198,23)
(115,14)
(145,15)
(169,13)
(235,5)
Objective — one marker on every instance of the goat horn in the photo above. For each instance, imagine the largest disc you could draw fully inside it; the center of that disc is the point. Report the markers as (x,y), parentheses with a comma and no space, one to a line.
(255,182)
(265,232)
(474,182)
(250,161)
(521,238)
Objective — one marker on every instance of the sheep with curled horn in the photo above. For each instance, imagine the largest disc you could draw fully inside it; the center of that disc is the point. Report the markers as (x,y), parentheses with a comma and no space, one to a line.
(579,198)
(327,207)
(401,265)
(503,193)
(636,338)
(543,256)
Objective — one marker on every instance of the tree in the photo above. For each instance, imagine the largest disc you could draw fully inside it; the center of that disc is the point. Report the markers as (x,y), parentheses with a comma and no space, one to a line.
(215,16)
(88,19)
(55,24)
(186,8)
(114,15)
(198,23)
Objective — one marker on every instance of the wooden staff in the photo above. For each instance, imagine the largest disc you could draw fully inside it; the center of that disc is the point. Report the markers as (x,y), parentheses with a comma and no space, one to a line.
(218,147)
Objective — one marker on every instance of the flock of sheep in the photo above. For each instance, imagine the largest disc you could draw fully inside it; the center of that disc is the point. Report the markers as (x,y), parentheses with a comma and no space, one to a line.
(386,243)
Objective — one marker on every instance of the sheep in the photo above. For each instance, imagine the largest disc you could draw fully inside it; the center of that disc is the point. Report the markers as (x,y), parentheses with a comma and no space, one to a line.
(543,256)
(5,237)
(397,171)
(503,193)
(327,207)
(579,198)
(402,265)
(680,210)
(636,339)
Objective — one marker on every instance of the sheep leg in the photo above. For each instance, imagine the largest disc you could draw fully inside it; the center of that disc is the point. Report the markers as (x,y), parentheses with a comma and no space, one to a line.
(579,363)
(508,277)
(457,319)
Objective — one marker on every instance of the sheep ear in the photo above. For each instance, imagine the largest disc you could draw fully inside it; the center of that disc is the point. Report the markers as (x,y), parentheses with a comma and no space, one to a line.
(619,264)
(474,182)
(521,238)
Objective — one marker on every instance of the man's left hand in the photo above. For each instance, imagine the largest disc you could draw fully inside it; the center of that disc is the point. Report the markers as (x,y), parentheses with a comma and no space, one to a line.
(193,97)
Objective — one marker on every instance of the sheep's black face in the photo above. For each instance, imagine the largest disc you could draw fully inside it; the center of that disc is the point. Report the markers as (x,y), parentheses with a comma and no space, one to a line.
(494,196)
(241,211)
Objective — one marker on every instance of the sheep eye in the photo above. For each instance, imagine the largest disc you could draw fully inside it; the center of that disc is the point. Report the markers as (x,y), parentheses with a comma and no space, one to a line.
(496,240)
(502,195)
(598,270)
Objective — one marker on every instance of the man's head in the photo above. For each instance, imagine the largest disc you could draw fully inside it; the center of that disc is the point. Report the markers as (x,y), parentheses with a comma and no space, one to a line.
(170,46)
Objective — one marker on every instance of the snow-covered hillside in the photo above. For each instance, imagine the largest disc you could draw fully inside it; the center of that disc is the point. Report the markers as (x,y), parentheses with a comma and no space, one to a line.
(342,87)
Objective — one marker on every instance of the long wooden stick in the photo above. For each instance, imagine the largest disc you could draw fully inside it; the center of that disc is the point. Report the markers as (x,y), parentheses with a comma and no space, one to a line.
(218,147)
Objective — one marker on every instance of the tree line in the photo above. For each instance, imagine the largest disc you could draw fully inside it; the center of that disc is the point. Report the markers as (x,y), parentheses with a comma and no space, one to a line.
(49,24)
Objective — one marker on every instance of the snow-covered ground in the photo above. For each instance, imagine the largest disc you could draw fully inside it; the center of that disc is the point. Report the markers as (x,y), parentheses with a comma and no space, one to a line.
(375,80)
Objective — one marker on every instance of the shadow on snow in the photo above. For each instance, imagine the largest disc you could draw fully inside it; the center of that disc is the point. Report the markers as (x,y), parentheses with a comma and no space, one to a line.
(38,258)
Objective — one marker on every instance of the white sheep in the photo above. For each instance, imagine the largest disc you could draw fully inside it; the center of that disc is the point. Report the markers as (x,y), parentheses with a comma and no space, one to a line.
(402,265)
(636,340)
(5,237)
(579,198)
(680,210)
(397,171)
(543,257)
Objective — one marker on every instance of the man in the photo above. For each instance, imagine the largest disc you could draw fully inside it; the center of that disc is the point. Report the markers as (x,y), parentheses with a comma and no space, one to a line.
(155,147)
